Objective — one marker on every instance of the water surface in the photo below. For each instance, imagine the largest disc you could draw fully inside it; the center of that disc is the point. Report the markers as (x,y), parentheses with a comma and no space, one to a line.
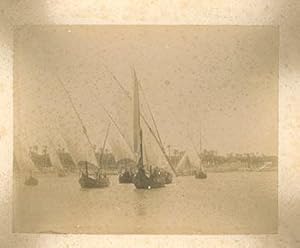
(224,203)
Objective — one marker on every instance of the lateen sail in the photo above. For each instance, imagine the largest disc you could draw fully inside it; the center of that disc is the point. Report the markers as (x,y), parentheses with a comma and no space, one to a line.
(136,121)
(21,154)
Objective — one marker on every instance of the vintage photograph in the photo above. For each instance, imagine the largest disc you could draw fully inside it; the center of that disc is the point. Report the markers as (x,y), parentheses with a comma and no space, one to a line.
(145,129)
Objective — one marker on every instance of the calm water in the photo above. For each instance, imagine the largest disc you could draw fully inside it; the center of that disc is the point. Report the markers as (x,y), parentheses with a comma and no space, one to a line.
(236,202)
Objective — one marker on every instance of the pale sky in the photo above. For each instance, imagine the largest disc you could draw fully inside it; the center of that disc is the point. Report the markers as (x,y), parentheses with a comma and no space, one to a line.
(221,78)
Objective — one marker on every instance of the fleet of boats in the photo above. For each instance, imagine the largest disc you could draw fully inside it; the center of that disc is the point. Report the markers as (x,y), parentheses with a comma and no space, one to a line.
(93,171)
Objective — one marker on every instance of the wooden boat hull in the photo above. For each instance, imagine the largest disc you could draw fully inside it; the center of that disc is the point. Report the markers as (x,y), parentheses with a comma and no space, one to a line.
(142,181)
(149,185)
(88,182)
(31,181)
(201,175)
(126,178)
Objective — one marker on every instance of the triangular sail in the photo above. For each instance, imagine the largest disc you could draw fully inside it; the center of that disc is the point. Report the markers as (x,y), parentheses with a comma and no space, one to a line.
(187,163)
(119,146)
(21,154)
(54,155)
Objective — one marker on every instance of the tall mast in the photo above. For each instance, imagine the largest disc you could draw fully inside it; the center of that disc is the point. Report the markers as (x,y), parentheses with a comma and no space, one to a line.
(200,142)
(79,118)
(147,124)
(200,148)
(141,161)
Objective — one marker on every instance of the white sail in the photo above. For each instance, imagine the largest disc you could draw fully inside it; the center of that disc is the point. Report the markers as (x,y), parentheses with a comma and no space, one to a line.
(21,153)
(152,154)
(119,146)
(54,154)
(77,145)
(188,162)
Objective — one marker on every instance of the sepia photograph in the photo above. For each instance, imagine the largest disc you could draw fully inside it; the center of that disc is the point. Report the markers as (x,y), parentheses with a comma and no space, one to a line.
(145,129)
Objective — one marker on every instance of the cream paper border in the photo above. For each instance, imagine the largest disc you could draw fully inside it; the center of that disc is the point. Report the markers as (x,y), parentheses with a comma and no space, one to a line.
(282,13)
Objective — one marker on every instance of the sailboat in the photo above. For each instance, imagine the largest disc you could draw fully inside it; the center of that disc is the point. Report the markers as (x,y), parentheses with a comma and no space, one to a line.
(100,180)
(200,174)
(126,174)
(31,181)
(141,180)
(86,180)
(22,158)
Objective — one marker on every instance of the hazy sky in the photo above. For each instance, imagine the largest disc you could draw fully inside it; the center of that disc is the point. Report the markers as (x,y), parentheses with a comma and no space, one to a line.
(221,78)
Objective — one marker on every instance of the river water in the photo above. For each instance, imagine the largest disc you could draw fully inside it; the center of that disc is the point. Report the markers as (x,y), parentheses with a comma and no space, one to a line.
(224,203)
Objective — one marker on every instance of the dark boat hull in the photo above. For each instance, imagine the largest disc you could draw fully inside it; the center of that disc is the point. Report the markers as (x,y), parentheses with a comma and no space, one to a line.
(201,175)
(148,185)
(31,181)
(124,178)
(142,181)
(88,182)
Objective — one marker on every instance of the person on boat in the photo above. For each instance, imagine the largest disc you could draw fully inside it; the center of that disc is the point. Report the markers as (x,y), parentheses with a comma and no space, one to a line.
(126,173)
(85,172)
(132,171)
(155,174)
(98,174)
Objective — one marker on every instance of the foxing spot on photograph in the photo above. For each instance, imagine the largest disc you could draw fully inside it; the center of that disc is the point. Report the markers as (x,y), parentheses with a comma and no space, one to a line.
(145,129)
